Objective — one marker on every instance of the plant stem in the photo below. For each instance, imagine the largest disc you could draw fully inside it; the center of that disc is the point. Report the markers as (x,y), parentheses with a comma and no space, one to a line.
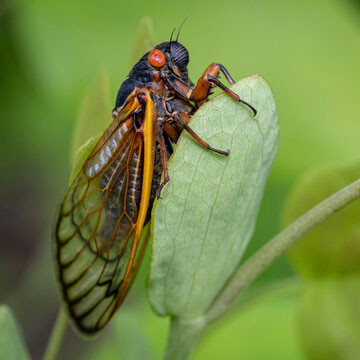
(56,336)
(268,253)
(183,337)
(184,334)
(250,296)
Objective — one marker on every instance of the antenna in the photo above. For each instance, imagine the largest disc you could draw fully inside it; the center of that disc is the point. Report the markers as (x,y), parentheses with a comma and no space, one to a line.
(169,45)
(177,37)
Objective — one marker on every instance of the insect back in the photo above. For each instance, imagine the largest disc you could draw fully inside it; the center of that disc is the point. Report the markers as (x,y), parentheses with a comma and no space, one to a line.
(140,76)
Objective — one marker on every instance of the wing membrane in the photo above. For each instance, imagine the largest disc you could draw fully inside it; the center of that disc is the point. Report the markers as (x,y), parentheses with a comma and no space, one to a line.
(96,225)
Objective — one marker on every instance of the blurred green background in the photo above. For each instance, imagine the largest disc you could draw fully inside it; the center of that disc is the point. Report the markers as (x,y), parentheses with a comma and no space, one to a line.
(51,52)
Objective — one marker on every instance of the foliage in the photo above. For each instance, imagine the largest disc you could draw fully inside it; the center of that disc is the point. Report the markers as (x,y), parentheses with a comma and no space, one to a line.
(94,113)
(145,40)
(207,215)
(49,55)
(11,342)
(329,313)
(332,249)
(329,318)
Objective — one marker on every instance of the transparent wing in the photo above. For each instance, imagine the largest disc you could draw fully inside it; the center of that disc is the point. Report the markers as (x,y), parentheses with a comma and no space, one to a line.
(96,222)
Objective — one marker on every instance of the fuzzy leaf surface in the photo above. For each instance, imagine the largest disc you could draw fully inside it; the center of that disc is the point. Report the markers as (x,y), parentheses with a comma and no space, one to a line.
(207,215)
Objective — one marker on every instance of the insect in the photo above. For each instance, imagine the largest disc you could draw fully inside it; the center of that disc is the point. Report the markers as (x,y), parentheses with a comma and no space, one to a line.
(100,220)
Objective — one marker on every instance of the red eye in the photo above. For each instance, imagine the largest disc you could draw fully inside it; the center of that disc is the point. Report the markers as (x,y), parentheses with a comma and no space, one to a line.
(157,58)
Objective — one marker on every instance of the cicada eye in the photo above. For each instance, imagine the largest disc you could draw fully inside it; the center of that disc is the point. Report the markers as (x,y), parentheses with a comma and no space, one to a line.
(179,55)
(157,58)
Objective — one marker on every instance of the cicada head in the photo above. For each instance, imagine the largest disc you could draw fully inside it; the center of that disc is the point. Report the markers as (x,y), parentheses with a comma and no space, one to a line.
(173,55)
(178,55)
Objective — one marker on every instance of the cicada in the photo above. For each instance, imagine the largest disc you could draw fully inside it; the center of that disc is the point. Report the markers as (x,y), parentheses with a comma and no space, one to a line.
(97,245)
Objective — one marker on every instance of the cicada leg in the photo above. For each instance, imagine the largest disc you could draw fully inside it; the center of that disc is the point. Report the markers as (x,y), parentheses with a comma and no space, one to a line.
(201,91)
(209,78)
(182,118)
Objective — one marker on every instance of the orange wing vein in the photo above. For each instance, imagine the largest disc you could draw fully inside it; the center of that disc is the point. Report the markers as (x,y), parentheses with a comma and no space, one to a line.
(100,220)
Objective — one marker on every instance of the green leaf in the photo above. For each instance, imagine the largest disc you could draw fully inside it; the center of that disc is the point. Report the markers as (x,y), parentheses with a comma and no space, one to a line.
(11,342)
(94,114)
(207,215)
(145,39)
(333,247)
(330,319)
